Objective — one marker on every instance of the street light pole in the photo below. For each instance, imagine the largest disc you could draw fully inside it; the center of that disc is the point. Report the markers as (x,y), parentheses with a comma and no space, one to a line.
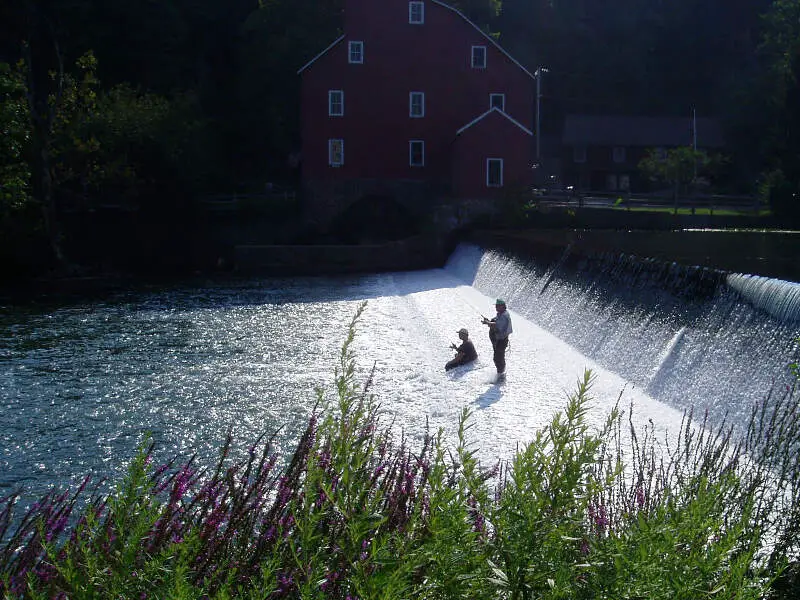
(538,75)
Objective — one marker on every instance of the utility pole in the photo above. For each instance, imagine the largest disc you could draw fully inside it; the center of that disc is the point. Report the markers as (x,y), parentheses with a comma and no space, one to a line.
(694,140)
(539,72)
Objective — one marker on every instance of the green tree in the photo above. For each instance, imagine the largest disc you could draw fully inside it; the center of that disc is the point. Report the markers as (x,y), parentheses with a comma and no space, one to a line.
(481,12)
(277,40)
(20,219)
(780,53)
(14,125)
(680,167)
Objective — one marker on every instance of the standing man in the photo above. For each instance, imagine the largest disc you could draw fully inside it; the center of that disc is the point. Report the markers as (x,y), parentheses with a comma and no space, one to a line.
(499,330)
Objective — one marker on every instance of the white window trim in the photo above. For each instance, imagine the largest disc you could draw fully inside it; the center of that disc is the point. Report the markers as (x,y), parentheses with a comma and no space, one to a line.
(579,154)
(411,6)
(619,154)
(411,96)
(488,162)
(352,45)
(472,57)
(331,143)
(492,96)
(411,153)
(330,103)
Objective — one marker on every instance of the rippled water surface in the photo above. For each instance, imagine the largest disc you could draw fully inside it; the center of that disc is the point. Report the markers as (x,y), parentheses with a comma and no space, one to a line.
(81,384)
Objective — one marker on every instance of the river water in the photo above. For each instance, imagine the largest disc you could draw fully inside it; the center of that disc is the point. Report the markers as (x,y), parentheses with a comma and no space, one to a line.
(80,384)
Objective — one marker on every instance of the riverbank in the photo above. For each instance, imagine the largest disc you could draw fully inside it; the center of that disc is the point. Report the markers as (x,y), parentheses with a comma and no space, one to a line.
(757,252)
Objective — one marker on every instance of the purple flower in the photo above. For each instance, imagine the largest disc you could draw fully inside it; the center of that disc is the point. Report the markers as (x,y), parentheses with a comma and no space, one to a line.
(285,582)
(584,546)
(480,523)
(598,516)
(270,534)
(640,496)
(324,458)
(330,579)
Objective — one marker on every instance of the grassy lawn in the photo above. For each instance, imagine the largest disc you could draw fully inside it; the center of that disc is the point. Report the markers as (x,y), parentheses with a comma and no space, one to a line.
(726,212)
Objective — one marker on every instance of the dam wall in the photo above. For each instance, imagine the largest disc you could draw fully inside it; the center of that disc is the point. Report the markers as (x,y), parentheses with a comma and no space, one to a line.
(766,253)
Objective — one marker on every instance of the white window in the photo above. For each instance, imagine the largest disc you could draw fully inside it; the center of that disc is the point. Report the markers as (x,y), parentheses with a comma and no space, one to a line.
(494,172)
(416,153)
(416,104)
(579,154)
(356,53)
(335,103)
(625,182)
(619,154)
(416,13)
(479,57)
(336,153)
(497,101)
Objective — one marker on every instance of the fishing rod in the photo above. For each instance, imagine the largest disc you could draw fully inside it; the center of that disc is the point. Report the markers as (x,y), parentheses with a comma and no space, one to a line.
(475,309)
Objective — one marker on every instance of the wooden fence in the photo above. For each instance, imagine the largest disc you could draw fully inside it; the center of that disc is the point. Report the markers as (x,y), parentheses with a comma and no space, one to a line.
(747,204)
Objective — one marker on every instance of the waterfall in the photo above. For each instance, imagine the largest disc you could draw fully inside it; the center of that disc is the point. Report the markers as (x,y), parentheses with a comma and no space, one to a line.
(781,299)
(689,336)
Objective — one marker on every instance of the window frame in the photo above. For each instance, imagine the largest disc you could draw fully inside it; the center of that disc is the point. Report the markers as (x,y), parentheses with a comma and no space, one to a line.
(411,162)
(619,154)
(489,162)
(331,143)
(502,96)
(485,57)
(353,44)
(331,95)
(579,154)
(411,96)
(416,4)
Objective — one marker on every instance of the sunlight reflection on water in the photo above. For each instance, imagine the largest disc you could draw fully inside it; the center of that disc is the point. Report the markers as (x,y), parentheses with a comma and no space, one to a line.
(80,385)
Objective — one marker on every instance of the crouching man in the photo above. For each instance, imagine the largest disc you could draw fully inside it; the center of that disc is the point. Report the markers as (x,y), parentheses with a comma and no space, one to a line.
(465,353)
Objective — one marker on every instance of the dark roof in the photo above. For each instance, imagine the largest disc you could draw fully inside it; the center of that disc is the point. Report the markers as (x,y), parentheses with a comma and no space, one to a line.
(640,131)
(460,14)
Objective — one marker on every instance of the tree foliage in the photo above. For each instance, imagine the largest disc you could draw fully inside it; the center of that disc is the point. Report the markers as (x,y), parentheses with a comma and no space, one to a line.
(780,103)
(15,129)
(481,12)
(680,167)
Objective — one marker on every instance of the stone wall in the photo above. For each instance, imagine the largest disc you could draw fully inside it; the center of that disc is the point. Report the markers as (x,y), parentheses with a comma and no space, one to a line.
(421,252)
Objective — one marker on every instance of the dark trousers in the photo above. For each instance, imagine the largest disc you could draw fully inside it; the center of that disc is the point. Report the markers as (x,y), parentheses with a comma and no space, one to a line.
(456,363)
(500,354)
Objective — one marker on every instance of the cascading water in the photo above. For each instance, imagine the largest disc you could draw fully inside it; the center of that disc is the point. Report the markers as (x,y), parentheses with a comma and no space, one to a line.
(81,382)
(690,337)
